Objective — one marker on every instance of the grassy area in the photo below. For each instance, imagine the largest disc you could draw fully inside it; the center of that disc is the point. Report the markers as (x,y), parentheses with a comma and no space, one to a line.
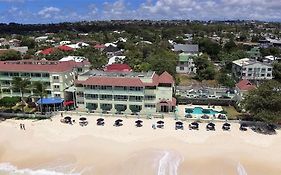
(232,114)
(185,80)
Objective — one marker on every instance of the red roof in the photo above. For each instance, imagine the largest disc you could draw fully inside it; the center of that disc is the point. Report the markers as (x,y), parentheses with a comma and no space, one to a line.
(65,48)
(47,51)
(39,66)
(99,46)
(52,50)
(166,78)
(168,102)
(245,85)
(117,68)
(112,81)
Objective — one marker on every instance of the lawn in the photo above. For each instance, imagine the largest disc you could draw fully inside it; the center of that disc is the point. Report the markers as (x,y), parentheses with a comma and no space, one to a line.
(232,114)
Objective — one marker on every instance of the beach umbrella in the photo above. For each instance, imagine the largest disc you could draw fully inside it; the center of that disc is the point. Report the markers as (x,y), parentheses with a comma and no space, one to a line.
(100,119)
(179,123)
(138,121)
(83,118)
(195,123)
(211,124)
(160,122)
(139,125)
(119,120)
(226,124)
(67,118)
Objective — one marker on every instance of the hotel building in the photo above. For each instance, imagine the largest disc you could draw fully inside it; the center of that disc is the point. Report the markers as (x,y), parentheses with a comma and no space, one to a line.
(57,75)
(125,92)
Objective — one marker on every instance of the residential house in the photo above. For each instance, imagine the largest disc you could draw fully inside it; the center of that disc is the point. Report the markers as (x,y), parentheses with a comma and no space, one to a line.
(187,48)
(271,59)
(251,69)
(186,64)
(254,53)
(243,87)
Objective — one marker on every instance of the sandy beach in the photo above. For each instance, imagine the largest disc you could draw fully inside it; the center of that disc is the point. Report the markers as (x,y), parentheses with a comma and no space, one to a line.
(51,147)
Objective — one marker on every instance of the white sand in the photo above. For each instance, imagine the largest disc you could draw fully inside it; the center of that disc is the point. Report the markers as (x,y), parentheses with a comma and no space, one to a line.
(129,150)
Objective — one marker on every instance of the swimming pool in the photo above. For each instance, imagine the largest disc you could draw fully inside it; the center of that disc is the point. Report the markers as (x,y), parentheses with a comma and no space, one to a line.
(200,110)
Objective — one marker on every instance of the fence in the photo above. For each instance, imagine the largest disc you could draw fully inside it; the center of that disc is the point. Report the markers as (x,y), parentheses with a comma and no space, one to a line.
(21,115)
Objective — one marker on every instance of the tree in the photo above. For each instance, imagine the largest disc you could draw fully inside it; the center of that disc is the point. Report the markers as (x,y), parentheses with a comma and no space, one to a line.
(20,85)
(30,43)
(225,80)
(230,46)
(277,71)
(209,47)
(204,68)
(39,89)
(227,58)
(264,103)
(10,55)
(270,51)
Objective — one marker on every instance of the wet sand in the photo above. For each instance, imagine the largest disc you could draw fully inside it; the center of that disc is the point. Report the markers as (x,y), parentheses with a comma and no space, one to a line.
(106,150)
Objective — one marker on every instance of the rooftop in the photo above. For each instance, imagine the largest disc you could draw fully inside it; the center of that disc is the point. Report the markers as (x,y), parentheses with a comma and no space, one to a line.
(247,61)
(186,47)
(39,66)
(245,85)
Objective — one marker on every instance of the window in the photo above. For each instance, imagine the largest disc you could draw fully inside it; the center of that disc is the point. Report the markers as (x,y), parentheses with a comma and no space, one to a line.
(249,75)
(80,102)
(79,69)
(269,69)
(45,75)
(56,86)
(80,94)
(49,92)
(181,68)
(263,69)
(182,62)
(243,74)
(6,91)
(120,98)
(150,97)
(57,95)
(120,88)
(244,68)
(268,75)
(105,97)
(136,98)
(250,69)
(55,77)
(149,105)
(35,74)
(91,96)
(262,75)
(135,89)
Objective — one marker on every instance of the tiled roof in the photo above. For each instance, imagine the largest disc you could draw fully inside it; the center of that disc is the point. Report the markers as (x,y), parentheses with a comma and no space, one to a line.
(168,102)
(65,48)
(166,78)
(47,51)
(99,46)
(186,47)
(245,85)
(127,81)
(39,66)
(117,68)
(112,81)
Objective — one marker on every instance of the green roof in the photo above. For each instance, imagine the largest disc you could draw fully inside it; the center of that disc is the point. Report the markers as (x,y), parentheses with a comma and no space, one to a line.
(184,57)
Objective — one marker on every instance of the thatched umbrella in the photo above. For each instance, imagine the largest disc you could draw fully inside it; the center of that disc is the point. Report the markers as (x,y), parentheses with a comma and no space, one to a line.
(100,119)
(83,118)
(179,123)
(160,122)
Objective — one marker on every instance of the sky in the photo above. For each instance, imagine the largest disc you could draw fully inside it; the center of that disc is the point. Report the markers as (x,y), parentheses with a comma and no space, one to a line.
(54,11)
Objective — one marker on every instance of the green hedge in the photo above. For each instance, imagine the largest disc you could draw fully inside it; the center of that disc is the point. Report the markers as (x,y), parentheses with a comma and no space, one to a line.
(9,101)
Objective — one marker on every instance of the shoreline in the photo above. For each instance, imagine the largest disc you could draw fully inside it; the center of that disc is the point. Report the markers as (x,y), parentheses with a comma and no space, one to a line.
(95,148)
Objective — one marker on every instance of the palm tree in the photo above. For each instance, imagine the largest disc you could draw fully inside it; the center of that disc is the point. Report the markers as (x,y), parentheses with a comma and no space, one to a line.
(39,89)
(21,85)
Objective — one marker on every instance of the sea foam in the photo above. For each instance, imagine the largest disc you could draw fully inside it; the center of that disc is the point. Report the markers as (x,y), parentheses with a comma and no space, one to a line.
(9,169)
(169,163)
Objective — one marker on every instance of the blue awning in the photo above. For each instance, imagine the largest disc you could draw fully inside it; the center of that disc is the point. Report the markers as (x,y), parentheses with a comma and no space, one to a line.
(48,101)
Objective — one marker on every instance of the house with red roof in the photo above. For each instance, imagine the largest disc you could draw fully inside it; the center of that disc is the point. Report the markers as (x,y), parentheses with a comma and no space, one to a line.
(243,87)
(51,50)
(117,68)
(125,92)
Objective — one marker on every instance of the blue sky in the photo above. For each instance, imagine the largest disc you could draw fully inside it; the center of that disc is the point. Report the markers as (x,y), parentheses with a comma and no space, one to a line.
(52,11)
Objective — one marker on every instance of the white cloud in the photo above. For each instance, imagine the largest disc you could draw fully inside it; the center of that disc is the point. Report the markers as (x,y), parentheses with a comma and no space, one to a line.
(48,12)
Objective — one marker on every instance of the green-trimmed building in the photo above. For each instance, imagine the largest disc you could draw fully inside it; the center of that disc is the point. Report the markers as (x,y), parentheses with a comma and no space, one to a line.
(186,64)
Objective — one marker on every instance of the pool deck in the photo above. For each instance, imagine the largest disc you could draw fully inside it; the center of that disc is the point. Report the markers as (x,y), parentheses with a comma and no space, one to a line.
(181,109)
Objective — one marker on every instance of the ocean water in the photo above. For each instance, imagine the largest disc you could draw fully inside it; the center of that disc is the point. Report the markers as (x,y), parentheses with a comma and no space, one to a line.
(166,163)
